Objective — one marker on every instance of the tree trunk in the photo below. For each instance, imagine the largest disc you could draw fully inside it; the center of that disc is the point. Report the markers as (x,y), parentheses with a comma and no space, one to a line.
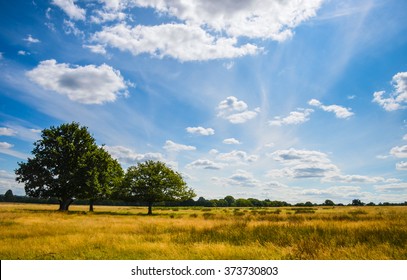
(91,205)
(64,204)
(150,208)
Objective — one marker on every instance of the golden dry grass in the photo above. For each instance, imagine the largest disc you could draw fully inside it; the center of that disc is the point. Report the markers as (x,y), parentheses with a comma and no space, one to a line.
(29,231)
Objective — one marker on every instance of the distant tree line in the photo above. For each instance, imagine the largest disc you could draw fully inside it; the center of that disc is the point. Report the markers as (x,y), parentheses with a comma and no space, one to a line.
(228,201)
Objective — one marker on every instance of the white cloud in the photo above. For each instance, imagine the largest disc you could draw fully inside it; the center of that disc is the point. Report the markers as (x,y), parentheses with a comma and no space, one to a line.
(205,164)
(295,117)
(72,10)
(399,187)
(252,18)
(128,156)
(8,182)
(359,179)
(231,141)
(293,156)
(31,39)
(228,65)
(200,131)
(241,178)
(70,28)
(399,152)
(401,165)
(6,131)
(340,112)
(5,145)
(180,41)
(88,84)
(315,164)
(398,98)
(235,111)
(96,48)
(315,102)
(237,157)
(335,192)
(107,16)
(405,137)
(171,146)
(21,52)
(302,164)
(6,148)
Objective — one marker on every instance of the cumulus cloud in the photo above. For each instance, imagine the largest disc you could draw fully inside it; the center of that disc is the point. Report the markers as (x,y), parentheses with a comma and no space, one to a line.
(314,164)
(235,111)
(200,131)
(399,152)
(88,84)
(205,164)
(401,165)
(192,30)
(296,117)
(302,164)
(71,9)
(231,141)
(128,156)
(241,178)
(31,39)
(6,131)
(339,111)
(237,157)
(171,146)
(252,18)
(180,41)
(398,98)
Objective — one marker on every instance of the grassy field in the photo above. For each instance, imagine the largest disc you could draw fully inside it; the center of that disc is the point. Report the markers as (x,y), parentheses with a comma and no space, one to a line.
(39,232)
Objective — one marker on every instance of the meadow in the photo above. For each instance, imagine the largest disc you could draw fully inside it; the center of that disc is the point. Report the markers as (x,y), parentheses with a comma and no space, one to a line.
(32,231)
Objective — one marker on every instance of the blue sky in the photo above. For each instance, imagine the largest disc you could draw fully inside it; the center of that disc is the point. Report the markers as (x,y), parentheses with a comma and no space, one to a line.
(284,100)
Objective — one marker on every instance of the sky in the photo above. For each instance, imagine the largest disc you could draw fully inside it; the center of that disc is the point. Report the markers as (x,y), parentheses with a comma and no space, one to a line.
(282,100)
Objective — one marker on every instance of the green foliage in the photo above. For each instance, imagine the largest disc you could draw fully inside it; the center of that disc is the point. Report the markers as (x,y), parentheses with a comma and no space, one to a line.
(67,164)
(8,196)
(357,202)
(103,175)
(153,181)
(329,202)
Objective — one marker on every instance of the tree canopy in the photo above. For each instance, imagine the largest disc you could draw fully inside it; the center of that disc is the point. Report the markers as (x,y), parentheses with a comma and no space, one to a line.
(153,181)
(66,164)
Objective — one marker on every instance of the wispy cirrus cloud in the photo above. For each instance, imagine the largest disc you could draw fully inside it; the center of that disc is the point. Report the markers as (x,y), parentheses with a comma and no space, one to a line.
(6,131)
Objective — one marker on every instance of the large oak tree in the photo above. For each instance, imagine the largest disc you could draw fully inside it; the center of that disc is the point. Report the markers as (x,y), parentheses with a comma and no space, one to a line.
(66,164)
